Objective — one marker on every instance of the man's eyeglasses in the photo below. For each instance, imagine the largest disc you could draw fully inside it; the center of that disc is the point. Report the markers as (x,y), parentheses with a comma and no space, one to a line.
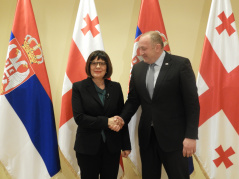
(95,64)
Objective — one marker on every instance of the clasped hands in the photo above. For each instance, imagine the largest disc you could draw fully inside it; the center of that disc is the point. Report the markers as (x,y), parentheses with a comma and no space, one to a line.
(115,123)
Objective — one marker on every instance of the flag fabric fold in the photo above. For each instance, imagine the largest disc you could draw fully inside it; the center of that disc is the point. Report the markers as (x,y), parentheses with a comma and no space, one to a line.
(86,39)
(150,19)
(27,126)
(217,147)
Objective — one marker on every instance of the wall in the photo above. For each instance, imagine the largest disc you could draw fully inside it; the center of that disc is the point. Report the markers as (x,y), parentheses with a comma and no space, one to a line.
(185,23)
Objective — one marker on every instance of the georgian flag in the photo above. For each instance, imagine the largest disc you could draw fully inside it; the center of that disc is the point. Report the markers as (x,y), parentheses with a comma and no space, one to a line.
(86,39)
(218,87)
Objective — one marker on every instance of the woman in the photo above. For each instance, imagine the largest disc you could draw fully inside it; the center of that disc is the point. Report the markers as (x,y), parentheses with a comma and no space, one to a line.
(94,101)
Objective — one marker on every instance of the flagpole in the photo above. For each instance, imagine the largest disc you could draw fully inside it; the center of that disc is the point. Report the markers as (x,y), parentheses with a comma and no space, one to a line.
(201,167)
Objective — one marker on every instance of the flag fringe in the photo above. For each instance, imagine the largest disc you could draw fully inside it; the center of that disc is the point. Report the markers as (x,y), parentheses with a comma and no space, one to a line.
(5,170)
(201,167)
(133,167)
(68,164)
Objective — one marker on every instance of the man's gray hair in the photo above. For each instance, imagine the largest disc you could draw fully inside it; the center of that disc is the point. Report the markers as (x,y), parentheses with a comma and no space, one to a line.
(155,37)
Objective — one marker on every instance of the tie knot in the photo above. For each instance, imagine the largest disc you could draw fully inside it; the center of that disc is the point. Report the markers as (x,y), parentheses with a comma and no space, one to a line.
(152,65)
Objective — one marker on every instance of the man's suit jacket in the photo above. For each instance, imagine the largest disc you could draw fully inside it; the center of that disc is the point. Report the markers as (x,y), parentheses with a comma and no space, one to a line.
(174,107)
(91,116)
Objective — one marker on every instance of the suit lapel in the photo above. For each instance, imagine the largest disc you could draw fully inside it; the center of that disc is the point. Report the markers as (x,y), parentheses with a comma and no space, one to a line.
(143,72)
(91,89)
(163,72)
(109,93)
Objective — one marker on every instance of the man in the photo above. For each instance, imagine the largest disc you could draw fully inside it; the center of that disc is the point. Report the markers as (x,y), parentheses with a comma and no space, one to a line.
(165,87)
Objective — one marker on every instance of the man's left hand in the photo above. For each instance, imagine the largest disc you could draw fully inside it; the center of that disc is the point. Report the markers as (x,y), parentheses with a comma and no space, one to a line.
(189,147)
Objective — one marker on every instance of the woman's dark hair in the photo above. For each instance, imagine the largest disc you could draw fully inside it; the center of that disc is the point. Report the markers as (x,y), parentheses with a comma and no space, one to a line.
(99,54)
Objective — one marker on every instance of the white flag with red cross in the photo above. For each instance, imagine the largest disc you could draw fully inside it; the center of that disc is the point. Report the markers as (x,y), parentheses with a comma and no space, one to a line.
(218,88)
(86,39)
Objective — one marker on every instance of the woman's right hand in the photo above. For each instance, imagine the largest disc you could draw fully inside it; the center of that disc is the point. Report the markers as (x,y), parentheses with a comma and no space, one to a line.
(115,123)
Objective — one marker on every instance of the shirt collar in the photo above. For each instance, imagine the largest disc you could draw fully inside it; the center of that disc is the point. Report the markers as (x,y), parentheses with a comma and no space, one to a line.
(159,62)
(101,91)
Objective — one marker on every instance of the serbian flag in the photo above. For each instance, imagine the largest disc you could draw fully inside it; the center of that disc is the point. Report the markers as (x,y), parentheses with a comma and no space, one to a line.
(28,141)
(150,19)
(218,87)
(86,39)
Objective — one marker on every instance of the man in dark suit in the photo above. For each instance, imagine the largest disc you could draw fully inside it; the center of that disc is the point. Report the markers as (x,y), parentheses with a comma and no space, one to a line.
(165,87)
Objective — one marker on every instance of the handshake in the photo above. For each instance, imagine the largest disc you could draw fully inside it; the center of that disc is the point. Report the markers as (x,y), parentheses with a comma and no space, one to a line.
(115,123)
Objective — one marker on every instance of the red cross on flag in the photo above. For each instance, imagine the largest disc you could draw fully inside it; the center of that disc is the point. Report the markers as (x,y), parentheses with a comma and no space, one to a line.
(86,39)
(218,88)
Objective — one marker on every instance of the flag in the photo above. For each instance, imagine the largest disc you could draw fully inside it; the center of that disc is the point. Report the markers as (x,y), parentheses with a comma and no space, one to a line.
(27,126)
(218,88)
(150,19)
(86,39)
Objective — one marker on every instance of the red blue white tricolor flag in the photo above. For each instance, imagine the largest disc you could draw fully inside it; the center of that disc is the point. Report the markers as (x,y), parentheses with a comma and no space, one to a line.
(28,141)
(218,87)
(150,19)
(86,39)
